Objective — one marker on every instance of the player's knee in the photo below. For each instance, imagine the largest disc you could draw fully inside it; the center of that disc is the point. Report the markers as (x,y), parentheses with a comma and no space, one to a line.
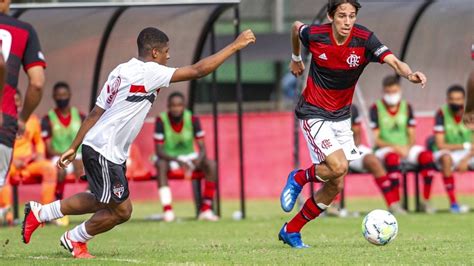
(446,159)
(123,214)
(371,162)
(425,160)
(340,168)
(392,162)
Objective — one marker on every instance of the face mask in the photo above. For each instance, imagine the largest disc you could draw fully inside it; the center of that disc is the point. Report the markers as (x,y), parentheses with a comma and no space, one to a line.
(392,99)
(456,107)
(176,119)
(61,104)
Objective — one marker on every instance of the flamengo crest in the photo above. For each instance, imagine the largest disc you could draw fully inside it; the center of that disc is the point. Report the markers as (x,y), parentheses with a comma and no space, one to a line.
(353,60)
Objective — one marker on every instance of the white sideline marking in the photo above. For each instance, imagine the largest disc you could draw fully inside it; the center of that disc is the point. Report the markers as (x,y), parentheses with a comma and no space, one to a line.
(48,258)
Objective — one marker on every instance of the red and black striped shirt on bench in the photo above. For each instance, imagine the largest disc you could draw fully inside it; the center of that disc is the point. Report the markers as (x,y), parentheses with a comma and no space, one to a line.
(335,69)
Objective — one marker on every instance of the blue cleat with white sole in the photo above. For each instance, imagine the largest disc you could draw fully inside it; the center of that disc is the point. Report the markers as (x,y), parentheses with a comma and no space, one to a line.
(290,192)
(291,239)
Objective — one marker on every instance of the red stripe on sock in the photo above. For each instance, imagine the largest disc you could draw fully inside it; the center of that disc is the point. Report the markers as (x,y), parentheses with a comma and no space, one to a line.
(449,186)
(385,185)
(309,212)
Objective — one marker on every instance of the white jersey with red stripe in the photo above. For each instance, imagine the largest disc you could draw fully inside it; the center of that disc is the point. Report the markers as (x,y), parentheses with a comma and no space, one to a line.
(126,97)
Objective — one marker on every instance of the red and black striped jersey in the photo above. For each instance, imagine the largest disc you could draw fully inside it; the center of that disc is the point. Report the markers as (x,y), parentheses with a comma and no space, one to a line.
(335,70)
(20,46)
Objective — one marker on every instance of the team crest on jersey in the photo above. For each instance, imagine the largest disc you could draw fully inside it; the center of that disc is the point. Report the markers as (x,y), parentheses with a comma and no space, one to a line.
(118,190)
(353,60)
(113,90)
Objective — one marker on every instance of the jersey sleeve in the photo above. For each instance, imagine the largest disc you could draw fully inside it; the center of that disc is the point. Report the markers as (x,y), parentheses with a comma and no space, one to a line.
(159,136)
(411,118)
(376,51)
(33,55)
(355,117)
(303,33)
(198,131)
(374,117)
(157,76)
(46,131)
(439,122)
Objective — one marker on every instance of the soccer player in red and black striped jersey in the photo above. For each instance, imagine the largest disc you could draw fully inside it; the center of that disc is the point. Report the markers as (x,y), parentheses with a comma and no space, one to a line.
(340,51)
(20,46)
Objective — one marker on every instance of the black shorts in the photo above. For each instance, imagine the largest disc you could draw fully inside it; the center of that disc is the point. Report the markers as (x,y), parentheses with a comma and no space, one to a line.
(106,179)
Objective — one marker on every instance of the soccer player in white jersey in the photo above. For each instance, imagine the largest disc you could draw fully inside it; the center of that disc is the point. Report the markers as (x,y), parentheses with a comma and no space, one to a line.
(108,131)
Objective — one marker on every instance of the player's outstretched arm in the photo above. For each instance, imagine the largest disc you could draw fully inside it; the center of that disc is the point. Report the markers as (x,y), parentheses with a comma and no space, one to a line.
(469,111)
(404,70)
(69,156)
(211,63)
(296,64)
(33,93)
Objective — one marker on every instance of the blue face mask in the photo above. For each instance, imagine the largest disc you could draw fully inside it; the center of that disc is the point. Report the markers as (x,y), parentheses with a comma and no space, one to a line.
(61,104)
(456,107)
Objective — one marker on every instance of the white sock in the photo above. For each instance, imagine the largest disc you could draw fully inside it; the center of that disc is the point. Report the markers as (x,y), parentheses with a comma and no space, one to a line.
(79,234)
(51,211)
(165,196)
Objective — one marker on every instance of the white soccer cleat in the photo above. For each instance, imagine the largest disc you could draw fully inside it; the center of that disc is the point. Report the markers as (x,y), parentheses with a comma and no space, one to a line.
(208,215)
(168,216)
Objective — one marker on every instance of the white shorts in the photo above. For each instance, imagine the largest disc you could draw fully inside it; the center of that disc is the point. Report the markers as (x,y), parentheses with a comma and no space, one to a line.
(457,156)
(324,137)
(412,157)
(70,167)
(6,154)
(358,165)
(185,158)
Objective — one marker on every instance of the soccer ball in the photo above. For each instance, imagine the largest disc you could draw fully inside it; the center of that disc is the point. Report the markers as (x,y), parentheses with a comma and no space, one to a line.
(379,227)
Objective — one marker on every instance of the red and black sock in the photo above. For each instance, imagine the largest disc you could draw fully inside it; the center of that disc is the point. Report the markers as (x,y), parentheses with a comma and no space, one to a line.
(385,185)
(449,185)
(392,163)
(208,195)
(426,163)
(309,212)
(59,192)
(167,208)
(427,182)
(304,176)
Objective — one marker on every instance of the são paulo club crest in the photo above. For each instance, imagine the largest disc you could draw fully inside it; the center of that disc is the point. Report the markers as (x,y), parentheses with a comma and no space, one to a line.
(353,60)
(118,190)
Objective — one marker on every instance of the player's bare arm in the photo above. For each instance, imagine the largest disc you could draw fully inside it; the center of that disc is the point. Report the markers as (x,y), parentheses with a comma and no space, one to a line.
(357,134)
(91,119)
(202,152)
(34,92)
(211,63)
(468,116)
(442,145)
(404,70)
(379,142)
(296,64)
(161,153)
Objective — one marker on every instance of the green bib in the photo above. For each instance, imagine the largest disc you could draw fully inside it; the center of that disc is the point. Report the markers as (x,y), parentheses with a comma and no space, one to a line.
(62,136)
(393,128)
(178,143)
(454,133)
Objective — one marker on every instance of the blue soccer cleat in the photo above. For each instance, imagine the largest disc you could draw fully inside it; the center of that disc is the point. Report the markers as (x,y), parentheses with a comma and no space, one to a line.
(456,208)
(290,192)
(291,239)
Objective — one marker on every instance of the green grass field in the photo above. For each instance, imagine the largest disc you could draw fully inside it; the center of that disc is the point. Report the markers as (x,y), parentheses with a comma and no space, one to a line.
(442,238)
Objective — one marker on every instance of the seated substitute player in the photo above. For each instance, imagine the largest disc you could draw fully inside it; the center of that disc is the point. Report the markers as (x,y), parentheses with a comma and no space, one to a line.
(453,144)
(175,132)
(340,51)
(393,124)
(29,161)
(58,129)
(108,131)
(368,162)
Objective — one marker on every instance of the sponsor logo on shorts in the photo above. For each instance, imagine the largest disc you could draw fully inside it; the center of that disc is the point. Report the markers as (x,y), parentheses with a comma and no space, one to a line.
(326,144)
(118,190)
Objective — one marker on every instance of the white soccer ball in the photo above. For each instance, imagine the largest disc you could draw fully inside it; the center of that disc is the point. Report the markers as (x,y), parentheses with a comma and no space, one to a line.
(379,227)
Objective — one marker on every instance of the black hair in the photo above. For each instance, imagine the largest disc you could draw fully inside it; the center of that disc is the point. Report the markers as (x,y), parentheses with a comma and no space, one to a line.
(456,88)
(391,80)
(175,94)
(150,38)
(333,4)
(61,84)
